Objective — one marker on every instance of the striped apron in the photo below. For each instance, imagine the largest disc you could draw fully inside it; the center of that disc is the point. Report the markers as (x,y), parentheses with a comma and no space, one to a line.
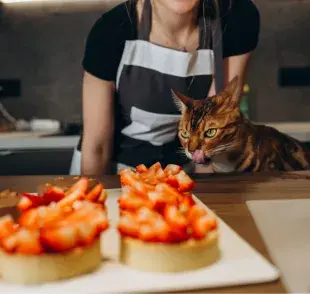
(147,117)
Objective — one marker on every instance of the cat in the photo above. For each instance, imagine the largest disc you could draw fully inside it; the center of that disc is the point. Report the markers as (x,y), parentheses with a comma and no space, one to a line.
(214,131)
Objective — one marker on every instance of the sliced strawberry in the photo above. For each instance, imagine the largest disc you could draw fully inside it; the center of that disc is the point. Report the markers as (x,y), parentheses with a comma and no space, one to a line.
(146,215)
(160,199)
(179,235)
(185,182)
(40,217)
(155,167)
(141,168)
(87,233)
(7,226)
(196,211)
(168,191)
(9,243)
(172,169)
(133,203)
(172,181)
(175,218)
(128,226)
(160,175)
(24,204)
(162,230)
(60,239)
(29,242)
(35,199)
(81,185)
(99,220)
(186,203)
(202,225)
(77,191)
(146,233)
(52,194)
(103,197)
(94,194)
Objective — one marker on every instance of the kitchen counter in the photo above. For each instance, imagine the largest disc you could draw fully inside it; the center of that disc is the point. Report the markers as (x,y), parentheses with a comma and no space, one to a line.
(299,131)
(53,142)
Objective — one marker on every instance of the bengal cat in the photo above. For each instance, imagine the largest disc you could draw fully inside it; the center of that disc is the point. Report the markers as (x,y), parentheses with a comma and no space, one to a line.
(215,131)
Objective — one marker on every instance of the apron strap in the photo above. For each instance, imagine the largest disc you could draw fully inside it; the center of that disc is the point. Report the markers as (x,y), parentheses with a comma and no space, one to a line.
(218,54)
(146,21)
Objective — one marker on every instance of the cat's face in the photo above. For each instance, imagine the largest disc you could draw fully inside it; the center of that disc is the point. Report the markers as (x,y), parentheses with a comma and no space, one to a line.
(210,126)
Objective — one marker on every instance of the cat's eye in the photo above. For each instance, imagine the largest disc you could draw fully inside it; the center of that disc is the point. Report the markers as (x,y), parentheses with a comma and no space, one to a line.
(210,133)
(184,134)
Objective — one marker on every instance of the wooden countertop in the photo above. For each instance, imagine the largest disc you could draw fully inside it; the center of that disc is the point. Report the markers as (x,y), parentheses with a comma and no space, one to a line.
(226,194)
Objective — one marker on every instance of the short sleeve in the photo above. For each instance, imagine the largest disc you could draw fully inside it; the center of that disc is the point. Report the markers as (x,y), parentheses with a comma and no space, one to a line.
(241,27)
(105,44)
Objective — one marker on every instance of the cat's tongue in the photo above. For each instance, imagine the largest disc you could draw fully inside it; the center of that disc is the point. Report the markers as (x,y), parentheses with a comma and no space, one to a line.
(198,156)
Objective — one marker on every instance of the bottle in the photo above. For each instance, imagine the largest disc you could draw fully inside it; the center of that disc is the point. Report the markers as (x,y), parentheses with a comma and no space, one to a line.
(244,105)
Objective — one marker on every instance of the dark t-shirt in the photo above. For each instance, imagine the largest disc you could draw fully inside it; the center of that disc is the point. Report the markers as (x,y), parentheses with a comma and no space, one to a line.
(106,40)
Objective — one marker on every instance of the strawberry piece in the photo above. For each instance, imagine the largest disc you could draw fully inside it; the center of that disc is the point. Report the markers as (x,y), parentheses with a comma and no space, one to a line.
(196,211)
(35,199)
(98,219)
(146,215)
(155,167)
(94,194)
(131,179)
(60,239)
(168,192)
(175,218)
(202,225)
(28,242)
(7,226)
(172,181)
(52,194)
(128,226)
(76,192)
(186,203)
(24,204)
(40,217)
(185,182)
(9,243)
(87,233)
(160,199)
(141,168)
(146,233)
(103,197)
(172,169)
(162,230)
(81,184)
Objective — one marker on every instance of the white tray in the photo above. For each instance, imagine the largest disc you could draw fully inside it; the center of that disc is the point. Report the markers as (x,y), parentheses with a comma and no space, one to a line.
(240,264)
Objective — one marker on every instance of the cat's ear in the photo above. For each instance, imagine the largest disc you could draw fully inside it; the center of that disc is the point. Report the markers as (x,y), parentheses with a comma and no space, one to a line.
(233,92)
(182,102)
(231,95)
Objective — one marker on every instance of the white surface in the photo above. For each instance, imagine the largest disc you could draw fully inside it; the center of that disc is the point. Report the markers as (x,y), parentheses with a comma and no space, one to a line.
(285,228)
(239,264)
(55,142)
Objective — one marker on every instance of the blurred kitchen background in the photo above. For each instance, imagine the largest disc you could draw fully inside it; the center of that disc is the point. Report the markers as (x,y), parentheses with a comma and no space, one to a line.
(41,47)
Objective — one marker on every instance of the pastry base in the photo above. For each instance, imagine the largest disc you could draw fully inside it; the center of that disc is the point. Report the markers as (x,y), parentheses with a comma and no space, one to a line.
(159,257)
(36,269)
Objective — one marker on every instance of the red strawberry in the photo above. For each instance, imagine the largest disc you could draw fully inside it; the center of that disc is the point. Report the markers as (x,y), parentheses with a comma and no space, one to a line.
(172,169)
(185,182)
(52,194)
(202,225)
(60,239)
(94,194)
(24,204)
(128,225)
(175,218)
(141,168)
(7,226)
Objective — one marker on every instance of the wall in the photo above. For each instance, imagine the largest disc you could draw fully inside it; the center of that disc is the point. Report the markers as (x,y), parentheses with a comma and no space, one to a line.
(284,42)
(44,47)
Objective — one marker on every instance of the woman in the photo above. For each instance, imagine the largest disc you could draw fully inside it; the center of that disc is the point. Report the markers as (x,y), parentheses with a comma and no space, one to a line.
(135,54)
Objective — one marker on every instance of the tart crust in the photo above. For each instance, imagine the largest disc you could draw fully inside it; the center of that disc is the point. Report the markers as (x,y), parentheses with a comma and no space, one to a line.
(35,269)
(159,257)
